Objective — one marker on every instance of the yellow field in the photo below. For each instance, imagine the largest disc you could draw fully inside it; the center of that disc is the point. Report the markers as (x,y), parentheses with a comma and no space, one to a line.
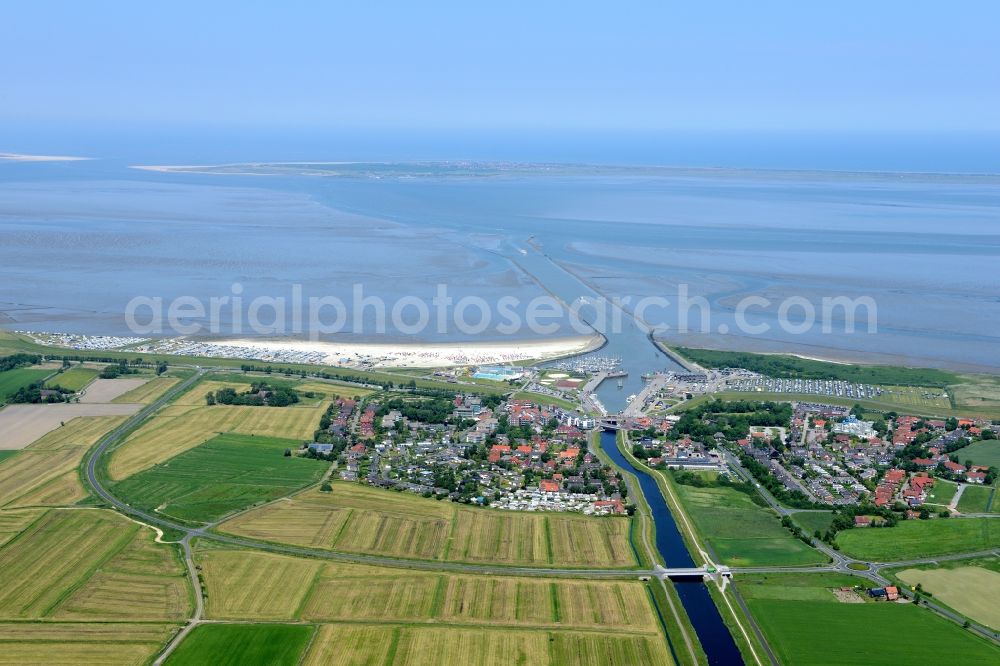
(177,428)
(255,585)
(52,459)
(500,600)
(144,581)
(621,604)
(470,647)
(350,592)
(12,522)
(583,541)
(148,392)
(511,537)
(972,591)
(346,645)
(63,490)
(86,563)
(406,535)
(360,519)
(293,521)
(60,643)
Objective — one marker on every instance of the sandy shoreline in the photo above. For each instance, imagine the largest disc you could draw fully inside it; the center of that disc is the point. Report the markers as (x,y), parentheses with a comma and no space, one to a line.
(386,355)
(18,157)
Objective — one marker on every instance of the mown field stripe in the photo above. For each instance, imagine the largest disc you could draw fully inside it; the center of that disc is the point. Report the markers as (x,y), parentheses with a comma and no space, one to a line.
(390,656)
(307,597)
(550,558)
(554,594)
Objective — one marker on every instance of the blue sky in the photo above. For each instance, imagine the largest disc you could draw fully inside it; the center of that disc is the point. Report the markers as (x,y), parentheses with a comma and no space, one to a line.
(720,66)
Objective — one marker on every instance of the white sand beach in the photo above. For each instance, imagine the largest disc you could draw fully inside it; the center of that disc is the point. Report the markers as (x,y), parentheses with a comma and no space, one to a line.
(386,355)
(18,157)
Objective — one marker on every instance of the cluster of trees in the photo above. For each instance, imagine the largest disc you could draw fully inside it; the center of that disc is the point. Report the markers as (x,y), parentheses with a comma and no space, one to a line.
(732,418)
(260,394)
(18,360)
(118,369)
(33,394)
(429,410)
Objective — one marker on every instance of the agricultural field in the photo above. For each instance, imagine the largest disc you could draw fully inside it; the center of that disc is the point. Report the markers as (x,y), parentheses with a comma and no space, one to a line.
(81,643)
(90,564)
(805,623)
(13,521)
(226,473)
(148,392)
(45,472)
(243,585)
(810,521)
(107,390)
(980,393)
(741,532)
(976,499)
(20,425)
(985,452)
(12,380)
(351,645)
(971,590)
(360,519)
(942,492)
(74,378)
(431,646)
(239,644)
(179,427)
(920,538)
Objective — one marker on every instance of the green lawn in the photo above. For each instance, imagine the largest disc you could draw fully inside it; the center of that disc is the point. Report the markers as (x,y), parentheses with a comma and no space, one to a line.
(74,379)
(975,499)
(238,644)
(810,521)
(6,453)
(806,624)
(986,452)
(12,380)
(942,492)
(920,538)
(540,399)
(741,532)
(226,473)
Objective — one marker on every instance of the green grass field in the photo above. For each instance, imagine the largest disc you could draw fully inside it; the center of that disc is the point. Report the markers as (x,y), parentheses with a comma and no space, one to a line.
(238,644)
(986,452)
(810,521)
(741,532)
(976,499)
(806,624)
(920,538)
(540,399)
(12,380)
(74,379)
(226,473)
(942,492)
